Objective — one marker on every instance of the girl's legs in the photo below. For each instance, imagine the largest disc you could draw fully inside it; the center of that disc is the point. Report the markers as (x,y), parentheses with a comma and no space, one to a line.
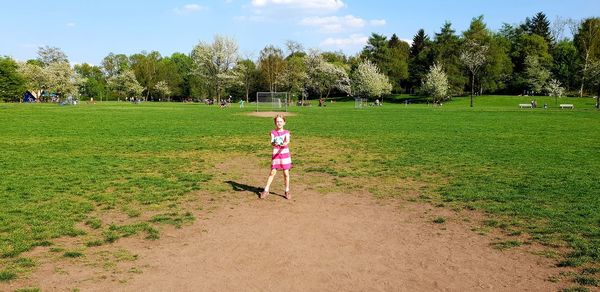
(269,181)
(286,179)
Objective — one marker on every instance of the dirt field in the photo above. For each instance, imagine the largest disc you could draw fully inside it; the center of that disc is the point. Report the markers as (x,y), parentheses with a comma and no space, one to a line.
(318,241)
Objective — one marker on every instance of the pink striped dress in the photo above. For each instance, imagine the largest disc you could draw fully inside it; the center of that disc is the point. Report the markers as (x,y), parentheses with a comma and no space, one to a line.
(281,158)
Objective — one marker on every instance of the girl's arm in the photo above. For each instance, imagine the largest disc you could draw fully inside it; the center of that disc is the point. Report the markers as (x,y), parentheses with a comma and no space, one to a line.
(272,139)
(287,139)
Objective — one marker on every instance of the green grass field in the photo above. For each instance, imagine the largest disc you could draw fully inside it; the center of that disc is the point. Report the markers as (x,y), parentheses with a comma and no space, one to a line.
(533,171)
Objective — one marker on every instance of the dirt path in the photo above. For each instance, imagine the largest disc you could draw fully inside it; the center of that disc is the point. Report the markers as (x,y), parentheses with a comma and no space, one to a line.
(315,242)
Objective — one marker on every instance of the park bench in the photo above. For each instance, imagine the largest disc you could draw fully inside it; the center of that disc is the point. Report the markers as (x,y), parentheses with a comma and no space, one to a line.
(525,105)
(566,105)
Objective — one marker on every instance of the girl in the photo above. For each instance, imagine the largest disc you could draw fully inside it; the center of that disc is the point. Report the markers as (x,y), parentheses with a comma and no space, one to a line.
(281,159)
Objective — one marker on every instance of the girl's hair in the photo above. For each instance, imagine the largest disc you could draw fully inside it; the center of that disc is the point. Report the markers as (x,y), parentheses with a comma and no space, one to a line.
(279,116)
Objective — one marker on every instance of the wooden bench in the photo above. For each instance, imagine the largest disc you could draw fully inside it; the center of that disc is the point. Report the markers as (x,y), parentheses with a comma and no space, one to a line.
(566,105)
(525,105)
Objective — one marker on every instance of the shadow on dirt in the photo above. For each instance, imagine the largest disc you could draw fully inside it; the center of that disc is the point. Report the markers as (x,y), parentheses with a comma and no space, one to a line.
(238,187)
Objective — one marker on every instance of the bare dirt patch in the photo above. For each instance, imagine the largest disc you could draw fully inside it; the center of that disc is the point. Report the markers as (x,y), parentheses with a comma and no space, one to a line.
(270,114)
(318,241)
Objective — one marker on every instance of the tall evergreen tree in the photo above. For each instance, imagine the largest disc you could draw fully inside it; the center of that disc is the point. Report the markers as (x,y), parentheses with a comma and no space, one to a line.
(376,50)
(540,25)
(398,64)
(420,59)
(447,47)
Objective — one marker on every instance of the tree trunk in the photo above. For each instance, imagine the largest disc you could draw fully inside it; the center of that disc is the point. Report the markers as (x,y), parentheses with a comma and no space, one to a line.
(218,93)
(247,92)
(585,64)
(472,85)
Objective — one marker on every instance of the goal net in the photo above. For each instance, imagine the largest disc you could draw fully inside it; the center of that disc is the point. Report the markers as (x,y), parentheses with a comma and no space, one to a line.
(360,102)
(271,101)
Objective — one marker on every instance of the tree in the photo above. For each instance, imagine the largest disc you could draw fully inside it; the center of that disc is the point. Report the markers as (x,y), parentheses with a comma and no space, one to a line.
(566,65)
(125,85)
(48,55)
(94,81)
(293,47)
(145,66)
(115,64)
(271,66)
(377,51)
(183,66)
(36,78)
(62,79)
(497,70)
(295,74)
(435,83)
(498,66)
(587,40)
(553,88)
(214,62)
(447,48)
(594,77)
(398,62)
(473,56)
(540,25)
(168,72)
(367,80)
(245,72)
(163,90)
(323,76)
(536,74)
(420,58)
(12,83)
(528,45)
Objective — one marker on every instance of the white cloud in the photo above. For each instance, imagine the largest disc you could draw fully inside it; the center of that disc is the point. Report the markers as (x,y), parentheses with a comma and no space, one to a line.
(336,24)
(189,8)
(377,22)
(353,40)
(70,24)
(317,5)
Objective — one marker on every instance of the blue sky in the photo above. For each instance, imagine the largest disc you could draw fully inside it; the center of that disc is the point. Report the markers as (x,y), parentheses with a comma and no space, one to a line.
(87,31)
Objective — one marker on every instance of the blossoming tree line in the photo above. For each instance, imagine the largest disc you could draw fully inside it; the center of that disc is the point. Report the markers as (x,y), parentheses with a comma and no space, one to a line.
(533,58)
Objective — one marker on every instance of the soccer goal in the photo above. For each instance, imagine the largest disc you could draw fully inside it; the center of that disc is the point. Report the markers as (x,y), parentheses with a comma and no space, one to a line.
(271,101)
(360,102)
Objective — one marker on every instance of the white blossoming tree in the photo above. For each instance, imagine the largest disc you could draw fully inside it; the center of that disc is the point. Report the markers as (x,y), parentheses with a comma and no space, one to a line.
(215,62)
(162,87)
(323,76)
(125,85)
(368,81)
(553,88)
(435,83)
(473,57)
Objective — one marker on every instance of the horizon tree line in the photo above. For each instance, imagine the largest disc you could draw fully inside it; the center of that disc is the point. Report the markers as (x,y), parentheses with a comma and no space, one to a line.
(532,58)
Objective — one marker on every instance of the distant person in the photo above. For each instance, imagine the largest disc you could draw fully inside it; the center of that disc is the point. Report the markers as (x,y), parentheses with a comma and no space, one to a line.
(281,159)
(242,103)
(321,102)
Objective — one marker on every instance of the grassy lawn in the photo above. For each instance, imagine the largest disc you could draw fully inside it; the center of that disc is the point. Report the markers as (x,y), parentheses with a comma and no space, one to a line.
(534,171)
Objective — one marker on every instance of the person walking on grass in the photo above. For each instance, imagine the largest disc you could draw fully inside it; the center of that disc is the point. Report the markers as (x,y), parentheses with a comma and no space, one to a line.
(281,159)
